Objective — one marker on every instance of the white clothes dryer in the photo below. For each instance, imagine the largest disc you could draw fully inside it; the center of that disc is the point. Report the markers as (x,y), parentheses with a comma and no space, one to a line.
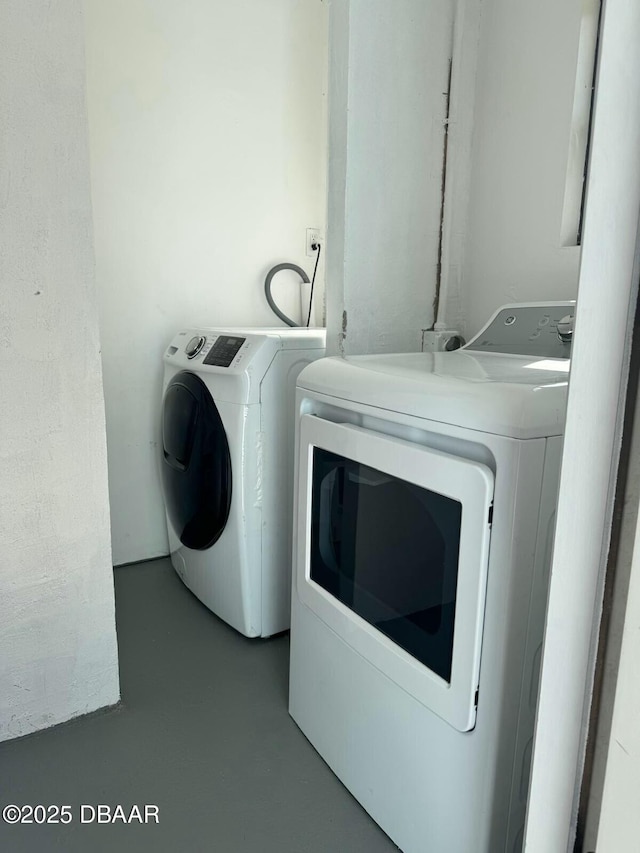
(426,496)
(227,467)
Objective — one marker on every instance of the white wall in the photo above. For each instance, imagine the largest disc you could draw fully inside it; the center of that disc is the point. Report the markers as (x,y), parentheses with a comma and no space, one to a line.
(389,67)
(208,147)
(58,654)
(511,249)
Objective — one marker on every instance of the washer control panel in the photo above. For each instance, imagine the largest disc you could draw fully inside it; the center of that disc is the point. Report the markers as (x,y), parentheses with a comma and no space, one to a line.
(536,330)
(218,351)
(224,350)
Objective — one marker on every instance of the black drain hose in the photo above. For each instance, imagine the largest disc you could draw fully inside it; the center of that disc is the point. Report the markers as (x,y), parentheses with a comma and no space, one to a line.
(267,289)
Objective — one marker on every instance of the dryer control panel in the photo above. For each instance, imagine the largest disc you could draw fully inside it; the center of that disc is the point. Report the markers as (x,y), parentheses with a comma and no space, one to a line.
(537,329)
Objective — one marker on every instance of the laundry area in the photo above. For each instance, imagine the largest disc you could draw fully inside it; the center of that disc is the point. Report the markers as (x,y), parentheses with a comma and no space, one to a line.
(302,552)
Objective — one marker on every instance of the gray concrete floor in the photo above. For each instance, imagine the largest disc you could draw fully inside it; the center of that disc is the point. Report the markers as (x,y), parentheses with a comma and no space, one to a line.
(203,733)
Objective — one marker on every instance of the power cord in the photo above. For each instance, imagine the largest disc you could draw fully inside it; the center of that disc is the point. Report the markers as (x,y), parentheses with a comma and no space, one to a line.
(317,247)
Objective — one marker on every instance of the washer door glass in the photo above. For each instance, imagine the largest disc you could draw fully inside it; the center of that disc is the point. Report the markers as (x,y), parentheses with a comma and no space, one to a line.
(196,463)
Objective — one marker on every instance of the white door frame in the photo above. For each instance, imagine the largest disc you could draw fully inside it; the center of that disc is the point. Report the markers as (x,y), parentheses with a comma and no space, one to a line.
(619,816)
(597,389)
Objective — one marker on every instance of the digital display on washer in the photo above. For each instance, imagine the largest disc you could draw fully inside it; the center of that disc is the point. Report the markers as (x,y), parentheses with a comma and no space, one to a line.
(224,350)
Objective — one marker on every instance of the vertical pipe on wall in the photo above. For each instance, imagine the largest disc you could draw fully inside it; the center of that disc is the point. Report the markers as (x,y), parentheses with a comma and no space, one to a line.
(337,134)
(592,438)
(457,165)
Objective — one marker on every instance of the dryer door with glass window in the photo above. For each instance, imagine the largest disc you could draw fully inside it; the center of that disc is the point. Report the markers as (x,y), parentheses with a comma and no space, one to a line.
(196,464)
(393,541)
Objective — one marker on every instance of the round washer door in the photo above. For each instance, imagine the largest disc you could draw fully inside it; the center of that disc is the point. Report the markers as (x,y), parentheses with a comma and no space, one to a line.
(196,463)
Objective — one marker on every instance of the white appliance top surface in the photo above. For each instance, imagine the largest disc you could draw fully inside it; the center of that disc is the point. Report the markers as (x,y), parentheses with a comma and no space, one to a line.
(510,380)
(517,396)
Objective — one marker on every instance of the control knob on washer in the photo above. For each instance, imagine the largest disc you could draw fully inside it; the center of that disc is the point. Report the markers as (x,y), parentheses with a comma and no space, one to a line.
(194,346)
(565,329)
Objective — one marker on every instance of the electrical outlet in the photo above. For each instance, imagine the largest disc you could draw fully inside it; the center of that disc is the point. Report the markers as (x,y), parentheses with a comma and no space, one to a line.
(314,236)
(443,341)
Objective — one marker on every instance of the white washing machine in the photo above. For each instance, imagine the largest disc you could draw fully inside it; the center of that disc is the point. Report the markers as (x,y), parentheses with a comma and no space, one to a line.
(426,496)
(227,467)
